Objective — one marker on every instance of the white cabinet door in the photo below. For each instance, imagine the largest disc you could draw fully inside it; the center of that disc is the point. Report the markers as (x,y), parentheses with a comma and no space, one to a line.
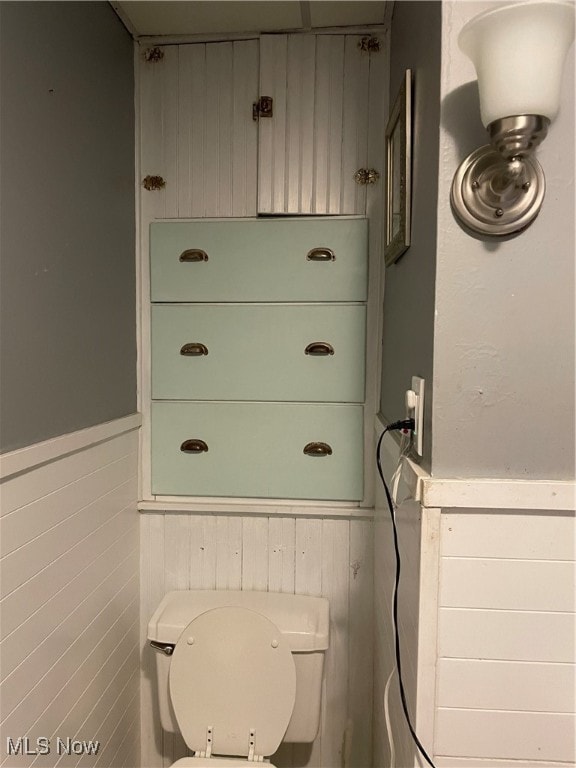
(317,138)
(197,130)
(198,133)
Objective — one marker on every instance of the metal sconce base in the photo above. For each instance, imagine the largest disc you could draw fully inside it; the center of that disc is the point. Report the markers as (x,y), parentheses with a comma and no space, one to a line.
(499,192)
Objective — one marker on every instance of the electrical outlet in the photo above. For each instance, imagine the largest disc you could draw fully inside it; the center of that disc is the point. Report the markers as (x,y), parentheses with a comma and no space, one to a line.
(415,404)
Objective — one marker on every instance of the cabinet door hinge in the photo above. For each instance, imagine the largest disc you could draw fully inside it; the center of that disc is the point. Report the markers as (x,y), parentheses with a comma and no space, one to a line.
(366,176)
(370,44)
(153,55)
(262,108)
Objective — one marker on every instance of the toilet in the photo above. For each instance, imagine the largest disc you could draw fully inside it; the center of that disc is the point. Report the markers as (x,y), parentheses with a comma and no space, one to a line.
(238,673)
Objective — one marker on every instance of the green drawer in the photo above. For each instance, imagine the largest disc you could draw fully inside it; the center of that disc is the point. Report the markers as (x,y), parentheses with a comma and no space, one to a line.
(257,450)
(258,352)
(259,260)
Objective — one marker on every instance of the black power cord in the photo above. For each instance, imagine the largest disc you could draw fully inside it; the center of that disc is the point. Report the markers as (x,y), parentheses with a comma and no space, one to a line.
(407,424)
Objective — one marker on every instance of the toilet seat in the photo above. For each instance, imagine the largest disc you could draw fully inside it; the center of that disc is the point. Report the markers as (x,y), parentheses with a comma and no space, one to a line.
(231,673)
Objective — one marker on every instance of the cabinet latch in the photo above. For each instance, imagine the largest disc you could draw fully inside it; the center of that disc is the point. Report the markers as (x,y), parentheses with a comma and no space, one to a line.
(263,107)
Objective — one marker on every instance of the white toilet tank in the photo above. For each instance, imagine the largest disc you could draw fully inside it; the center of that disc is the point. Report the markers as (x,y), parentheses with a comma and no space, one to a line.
(303,621)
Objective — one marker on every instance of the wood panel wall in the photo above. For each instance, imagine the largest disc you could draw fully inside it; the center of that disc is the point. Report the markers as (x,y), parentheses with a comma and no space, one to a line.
(70,605)
(323,557)
(506,642)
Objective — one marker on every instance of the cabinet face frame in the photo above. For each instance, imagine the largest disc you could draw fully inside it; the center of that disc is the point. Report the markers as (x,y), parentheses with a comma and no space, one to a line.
(164,205)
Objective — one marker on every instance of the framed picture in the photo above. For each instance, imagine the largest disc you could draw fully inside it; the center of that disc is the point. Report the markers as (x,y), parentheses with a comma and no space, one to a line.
(398,173)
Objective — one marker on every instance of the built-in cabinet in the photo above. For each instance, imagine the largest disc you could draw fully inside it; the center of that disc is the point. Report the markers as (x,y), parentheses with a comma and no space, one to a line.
(217,155)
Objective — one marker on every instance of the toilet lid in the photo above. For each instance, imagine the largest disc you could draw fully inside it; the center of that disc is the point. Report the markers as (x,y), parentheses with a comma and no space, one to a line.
(232,670)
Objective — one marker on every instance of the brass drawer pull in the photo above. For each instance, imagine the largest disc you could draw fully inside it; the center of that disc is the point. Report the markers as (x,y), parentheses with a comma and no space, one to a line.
(194,446)
(317,449)
(321,254)
(319,348)
(194,349)
(194,254)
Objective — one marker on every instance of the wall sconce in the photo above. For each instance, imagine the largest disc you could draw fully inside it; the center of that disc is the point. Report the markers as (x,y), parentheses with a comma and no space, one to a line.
(519,52)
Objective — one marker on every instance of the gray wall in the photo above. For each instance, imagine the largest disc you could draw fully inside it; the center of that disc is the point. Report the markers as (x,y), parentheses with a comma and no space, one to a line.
(408,337)
(67,303)
(505,327)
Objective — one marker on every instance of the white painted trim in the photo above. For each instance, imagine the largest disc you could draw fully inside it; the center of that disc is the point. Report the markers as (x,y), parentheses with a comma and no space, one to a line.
(256,508)
(427,655)
(125,19)
(548,495)
(481,493)
(160,40)
(32,456)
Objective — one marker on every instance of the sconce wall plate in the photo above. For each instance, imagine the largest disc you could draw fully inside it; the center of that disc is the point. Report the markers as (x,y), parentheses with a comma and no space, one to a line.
(483,206)
(499,189)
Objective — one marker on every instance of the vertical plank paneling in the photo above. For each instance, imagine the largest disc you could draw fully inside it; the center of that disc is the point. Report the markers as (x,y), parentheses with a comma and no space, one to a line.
(281,543)
(228,552)
(255,553)
(170,146)
(176,576)
(245,129)
(330,557)
(335,586)
(308,573)
(316,141)
(355,125)
(216,136)
(176,551)
(158,129)
(360,651)
(212,129)
(328,123)
(308,581)
(223,103)
(300,121)
(272,133)
(190,109)
(202,552)
(193,108)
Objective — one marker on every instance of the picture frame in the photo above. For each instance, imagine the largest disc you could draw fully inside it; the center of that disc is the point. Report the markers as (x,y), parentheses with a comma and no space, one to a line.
(399,173)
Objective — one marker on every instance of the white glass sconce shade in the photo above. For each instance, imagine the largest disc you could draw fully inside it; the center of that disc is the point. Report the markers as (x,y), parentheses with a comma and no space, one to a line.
(519,53)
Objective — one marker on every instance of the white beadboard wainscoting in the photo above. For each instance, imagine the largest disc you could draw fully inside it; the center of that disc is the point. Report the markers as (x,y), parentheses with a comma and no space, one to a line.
(330,557)
(69,600)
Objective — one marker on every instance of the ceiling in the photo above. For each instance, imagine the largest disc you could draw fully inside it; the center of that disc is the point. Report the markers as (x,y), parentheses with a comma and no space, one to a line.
(208,17)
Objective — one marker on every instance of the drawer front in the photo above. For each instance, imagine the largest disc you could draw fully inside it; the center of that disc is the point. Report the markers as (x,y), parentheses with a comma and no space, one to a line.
(257,450)
(259,260)
(309,353)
